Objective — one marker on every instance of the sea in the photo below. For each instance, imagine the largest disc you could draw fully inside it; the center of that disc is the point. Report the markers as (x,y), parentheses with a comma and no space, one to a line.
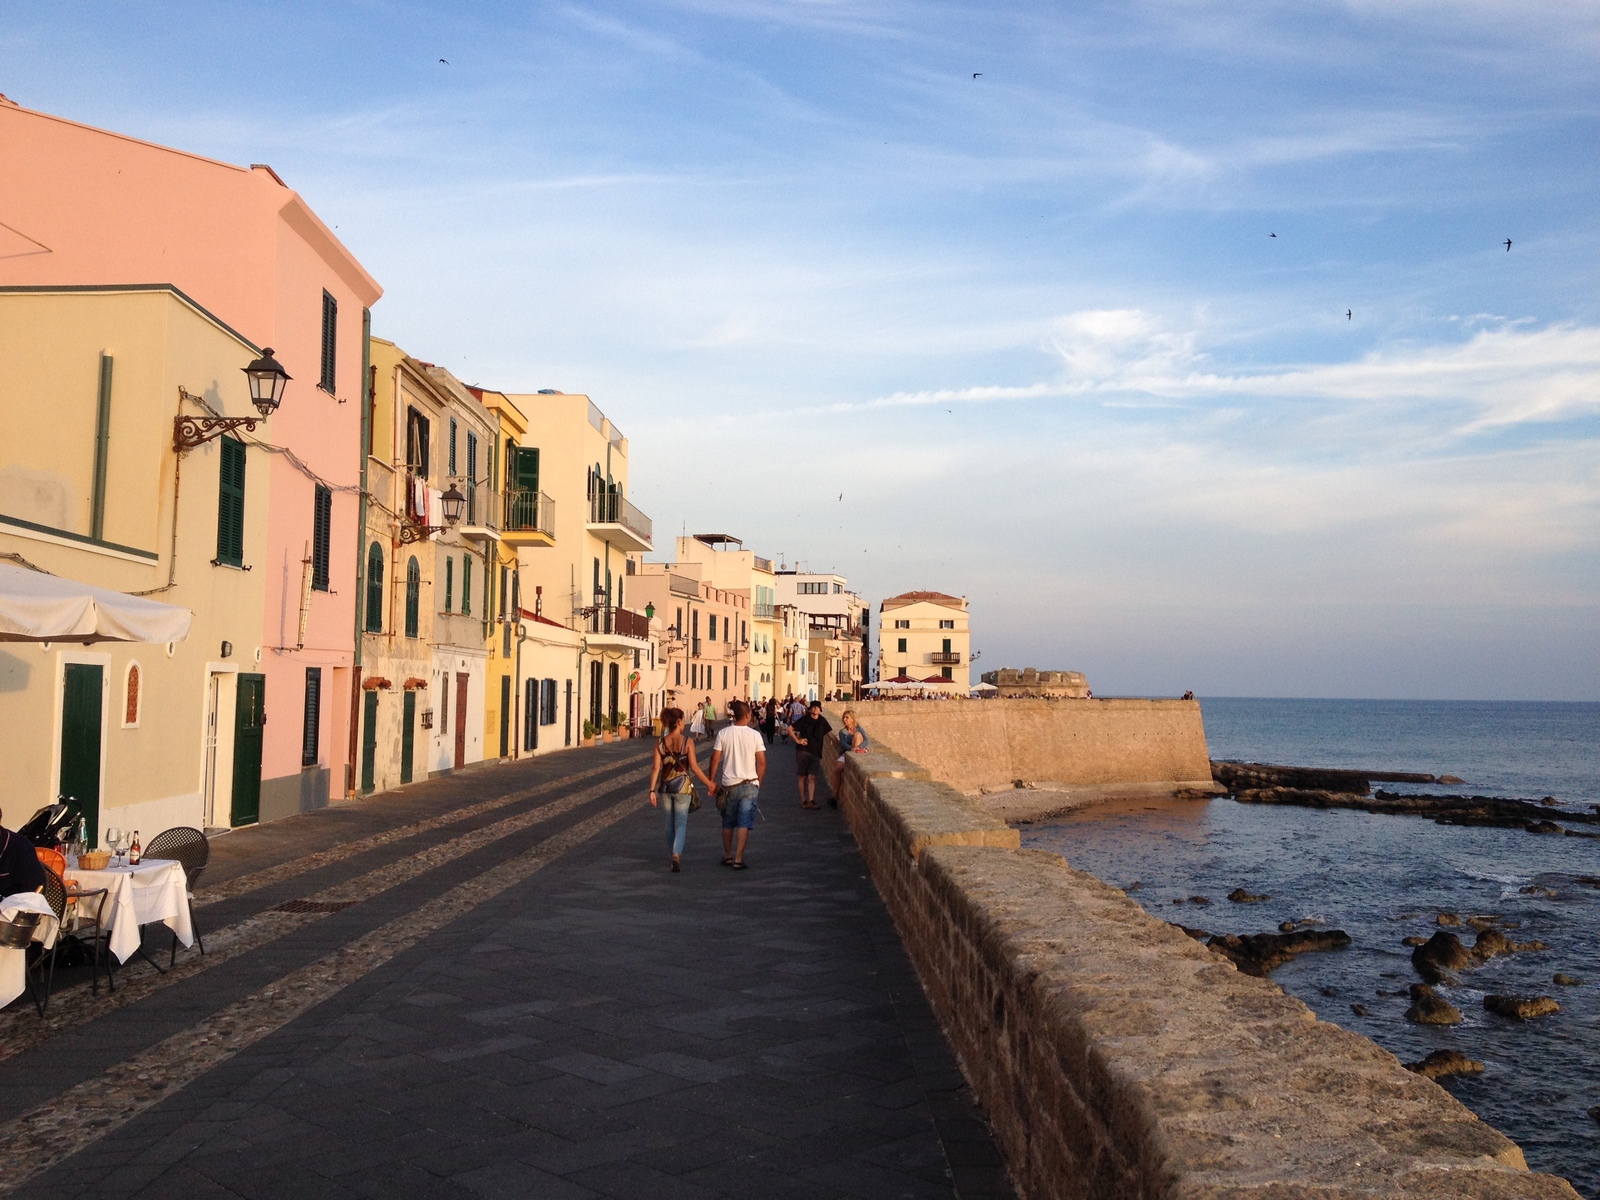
(1383,878)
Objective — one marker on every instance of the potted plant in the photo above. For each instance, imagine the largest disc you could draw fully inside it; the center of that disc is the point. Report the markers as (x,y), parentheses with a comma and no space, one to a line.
(588,733)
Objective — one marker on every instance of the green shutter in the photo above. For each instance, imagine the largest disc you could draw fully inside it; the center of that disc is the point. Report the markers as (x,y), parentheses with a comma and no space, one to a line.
(413,598)
(321,537)
(527,468)
(466,585)
(449,582)
(330,342)
(230,504)
(375,589)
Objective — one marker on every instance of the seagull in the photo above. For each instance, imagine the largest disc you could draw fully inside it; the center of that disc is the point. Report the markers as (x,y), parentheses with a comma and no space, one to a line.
(1508,245)
(977,74)
(841,496)
(445,61)
(1348,316)
(1272,235)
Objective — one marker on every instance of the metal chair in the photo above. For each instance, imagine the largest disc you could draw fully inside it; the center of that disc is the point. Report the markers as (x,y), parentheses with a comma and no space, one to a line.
(63,900)
(190,849)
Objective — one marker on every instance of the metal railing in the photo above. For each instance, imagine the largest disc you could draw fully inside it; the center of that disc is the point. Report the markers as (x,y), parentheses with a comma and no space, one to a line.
(951,658)
(761,612)
(763,564)
(729,650)
(608,618)
(608,508)
(683,585)
(528,511)
(694,647)
(484,506)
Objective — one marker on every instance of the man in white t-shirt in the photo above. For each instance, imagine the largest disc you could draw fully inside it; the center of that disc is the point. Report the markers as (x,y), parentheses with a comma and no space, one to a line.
(738,764)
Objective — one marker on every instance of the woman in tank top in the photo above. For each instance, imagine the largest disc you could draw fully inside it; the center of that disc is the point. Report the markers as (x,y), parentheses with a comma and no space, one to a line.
(672,779)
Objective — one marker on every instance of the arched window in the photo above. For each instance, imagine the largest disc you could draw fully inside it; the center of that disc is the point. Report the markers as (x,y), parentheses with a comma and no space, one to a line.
(375,589)
(131,682)
(413,596)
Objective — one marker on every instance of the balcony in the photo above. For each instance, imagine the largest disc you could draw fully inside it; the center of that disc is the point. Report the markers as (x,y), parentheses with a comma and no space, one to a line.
(609,626)
(617,521)
(530,519)
(763,612)
(763,564)
(480,516)
(945,658)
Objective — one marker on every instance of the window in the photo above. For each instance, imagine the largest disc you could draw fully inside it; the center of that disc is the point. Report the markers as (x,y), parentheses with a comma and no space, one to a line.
(472,478)
(547,703)
(449,581)
(130,697)
(330,342)
(466,585)
(678,623)
(724,678)
(947,624)
(311,730)
(902,646)
(453,446)
(838,588)
(321,537)
(711,627)
(902,624)
(813,589)
(375,588)
(677,673)
(530,714)
(230,503)
(413,596)
(417,431)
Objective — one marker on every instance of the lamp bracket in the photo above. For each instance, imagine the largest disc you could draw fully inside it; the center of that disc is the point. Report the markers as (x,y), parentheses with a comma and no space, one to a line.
(411,532)
(189,432)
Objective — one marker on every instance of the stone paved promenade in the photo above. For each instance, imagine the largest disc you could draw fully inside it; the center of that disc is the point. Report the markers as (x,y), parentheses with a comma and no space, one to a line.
(490,986)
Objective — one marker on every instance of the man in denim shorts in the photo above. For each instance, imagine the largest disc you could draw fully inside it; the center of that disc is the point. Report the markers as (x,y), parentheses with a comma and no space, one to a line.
(738,764)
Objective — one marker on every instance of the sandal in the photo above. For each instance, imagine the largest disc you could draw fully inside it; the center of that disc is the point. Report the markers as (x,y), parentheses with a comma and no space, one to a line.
(674,866)
(740,866)
(727,862)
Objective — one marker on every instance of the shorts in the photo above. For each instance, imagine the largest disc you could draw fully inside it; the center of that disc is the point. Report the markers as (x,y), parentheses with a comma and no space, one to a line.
(739,806)
(805,763)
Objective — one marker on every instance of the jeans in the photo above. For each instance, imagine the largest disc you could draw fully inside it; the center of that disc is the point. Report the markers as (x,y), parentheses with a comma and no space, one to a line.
(676,807)
(739,806)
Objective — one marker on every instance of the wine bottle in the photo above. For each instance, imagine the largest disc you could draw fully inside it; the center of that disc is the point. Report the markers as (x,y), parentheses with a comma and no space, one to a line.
(134,853)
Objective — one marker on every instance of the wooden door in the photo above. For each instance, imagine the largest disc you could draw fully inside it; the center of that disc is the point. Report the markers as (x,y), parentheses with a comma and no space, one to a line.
(408,734)
(461,719)
(81,689)
(369,740)
(249,726)
(505,714)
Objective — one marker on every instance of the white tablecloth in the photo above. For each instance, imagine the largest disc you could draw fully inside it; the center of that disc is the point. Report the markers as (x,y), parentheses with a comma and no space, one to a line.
(155,890)
(13,963)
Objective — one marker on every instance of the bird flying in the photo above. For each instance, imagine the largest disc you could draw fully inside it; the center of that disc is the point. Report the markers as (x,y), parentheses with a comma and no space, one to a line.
(1348,315)
(1508,245)
(445,61)
(1272,235)
(977,74)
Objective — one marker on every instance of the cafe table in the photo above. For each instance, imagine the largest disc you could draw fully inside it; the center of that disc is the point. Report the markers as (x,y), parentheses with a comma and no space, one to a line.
(155,890)
(14,962)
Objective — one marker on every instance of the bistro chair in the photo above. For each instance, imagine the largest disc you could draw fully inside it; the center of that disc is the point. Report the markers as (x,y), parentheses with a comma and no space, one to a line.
(53,859)
(73,915)
(190,849)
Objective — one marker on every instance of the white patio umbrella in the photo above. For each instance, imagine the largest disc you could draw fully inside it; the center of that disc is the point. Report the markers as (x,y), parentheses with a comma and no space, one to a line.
(984,687)
(36,607)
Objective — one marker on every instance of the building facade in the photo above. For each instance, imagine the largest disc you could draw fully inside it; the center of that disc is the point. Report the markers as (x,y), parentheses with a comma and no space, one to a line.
(835,636)
(924,637)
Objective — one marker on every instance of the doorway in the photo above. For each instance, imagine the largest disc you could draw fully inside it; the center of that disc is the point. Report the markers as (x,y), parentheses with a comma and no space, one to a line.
(249,724)
(461,719)
(82,687)
(505,715)
(369,740)
(408,734)
(220,699)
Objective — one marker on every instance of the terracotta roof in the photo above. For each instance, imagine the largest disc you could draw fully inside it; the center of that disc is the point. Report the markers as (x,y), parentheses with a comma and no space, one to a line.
(939,598)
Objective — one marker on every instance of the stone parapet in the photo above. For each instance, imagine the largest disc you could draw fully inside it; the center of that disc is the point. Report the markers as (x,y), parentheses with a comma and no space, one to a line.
(1116,1057)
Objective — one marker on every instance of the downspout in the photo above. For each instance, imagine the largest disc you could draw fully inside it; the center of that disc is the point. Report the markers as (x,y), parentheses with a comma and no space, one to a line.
(370,397)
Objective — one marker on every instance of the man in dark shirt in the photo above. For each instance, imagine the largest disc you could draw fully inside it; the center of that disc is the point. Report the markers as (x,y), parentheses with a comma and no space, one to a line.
(19,864)
(808,733)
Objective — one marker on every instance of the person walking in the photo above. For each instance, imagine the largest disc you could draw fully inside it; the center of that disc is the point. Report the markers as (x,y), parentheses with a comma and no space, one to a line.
(769,720)
(738,765)
(671,785)
(709,711)
(697,723)
(808,733)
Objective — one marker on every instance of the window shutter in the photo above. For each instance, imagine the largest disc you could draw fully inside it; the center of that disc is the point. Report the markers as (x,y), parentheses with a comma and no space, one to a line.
(310,742)
(449,582)
(230,504)
(375,589)
(321,537)
(413,597)
(330,341)
(453,470)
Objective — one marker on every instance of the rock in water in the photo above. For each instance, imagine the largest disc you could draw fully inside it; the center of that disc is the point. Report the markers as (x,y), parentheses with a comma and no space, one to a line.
(1443,1063)
(1286,926)
(1241,896)
(1430,1008)
(1439,955)
(1451,779)
(1448,918)
(1491,943)
(1258,953)
(1544,827)
(1562,979)
(1199,899)
(1595,1112)
(1415,941)
(1521,1008)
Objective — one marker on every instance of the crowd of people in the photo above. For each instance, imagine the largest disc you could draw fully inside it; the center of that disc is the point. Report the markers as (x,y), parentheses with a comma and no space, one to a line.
(738,766)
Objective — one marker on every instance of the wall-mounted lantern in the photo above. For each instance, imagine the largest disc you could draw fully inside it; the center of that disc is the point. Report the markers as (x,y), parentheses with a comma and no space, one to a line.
(267,379)
(452,502)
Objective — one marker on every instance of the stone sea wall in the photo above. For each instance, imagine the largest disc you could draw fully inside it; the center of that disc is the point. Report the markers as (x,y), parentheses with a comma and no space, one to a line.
(1096,744)
(1115,1056)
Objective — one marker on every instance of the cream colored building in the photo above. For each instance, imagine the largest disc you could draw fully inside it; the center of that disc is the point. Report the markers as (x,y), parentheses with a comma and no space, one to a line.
(836,621)
(92,489)
(924,636)
(727,565)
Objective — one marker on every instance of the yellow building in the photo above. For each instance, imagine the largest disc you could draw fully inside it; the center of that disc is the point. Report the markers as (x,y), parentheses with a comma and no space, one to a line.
(924,637)
(726,564)
(425,576)
(92,489)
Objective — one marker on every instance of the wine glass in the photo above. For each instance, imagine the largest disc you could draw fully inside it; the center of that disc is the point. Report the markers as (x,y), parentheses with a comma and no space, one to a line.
(123,842)
(113,836)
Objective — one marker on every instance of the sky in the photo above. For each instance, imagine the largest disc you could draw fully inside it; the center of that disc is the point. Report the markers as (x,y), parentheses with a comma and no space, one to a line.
(1180,337)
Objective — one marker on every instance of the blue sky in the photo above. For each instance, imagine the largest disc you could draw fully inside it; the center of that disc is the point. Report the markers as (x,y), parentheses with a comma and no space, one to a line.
(1031,326)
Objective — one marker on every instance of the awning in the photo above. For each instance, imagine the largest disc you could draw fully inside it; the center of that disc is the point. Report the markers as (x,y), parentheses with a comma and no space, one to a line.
(35,607)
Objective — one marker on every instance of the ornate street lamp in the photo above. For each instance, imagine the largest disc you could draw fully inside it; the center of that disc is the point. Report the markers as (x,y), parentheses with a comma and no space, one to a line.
(452,502)
(267,382)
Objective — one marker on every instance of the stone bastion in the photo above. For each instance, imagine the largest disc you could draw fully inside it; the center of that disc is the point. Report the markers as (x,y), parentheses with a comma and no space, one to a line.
(1116,1057)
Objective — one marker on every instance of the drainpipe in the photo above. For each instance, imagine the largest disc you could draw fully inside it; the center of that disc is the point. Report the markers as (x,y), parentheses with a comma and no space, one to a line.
(369,390)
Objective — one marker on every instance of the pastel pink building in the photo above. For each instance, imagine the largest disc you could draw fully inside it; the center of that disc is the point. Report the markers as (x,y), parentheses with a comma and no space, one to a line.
(81,207)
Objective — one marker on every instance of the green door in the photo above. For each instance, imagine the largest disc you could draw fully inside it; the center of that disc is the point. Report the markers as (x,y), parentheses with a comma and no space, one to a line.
(249,724)
(80,741)
(369,739)
(527,469)
(505,715)
(408,735)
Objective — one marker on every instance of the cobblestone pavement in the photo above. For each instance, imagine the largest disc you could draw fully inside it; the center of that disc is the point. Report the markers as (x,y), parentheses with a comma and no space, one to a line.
(500,991)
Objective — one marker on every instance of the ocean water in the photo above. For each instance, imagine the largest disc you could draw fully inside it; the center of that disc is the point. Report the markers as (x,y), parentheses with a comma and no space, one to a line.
(1382,878)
